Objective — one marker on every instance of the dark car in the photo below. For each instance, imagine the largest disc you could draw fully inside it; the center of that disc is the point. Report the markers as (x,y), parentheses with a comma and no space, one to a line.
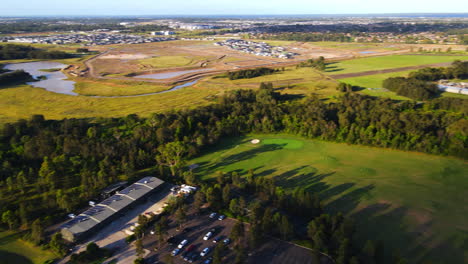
(187,229)
(217,239)
(208,260)
(194,257)
(172,240)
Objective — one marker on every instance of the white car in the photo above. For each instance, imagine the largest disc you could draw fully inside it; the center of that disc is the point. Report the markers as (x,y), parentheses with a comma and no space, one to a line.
(208,235)
(183,243)
(205,252)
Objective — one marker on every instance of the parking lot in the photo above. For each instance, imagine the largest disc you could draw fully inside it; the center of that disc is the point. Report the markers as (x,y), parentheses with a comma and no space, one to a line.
(272,251)
(194,230)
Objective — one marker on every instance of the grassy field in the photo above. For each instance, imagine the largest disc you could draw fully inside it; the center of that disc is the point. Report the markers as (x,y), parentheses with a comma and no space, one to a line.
(387,62)
(414,202)
(13,250)
(169,61)
(115,87)
(375,83)
(292,81)
(23,101)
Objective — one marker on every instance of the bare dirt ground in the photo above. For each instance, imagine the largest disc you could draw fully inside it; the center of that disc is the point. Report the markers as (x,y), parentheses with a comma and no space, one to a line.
(119,62)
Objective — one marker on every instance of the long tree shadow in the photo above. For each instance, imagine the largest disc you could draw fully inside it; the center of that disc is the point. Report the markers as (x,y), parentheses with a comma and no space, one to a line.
(10,258)
(245,155)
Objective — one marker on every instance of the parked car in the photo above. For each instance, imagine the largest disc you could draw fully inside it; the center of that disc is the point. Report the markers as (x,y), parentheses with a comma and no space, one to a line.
(205,251)
(171,240)
(175,252)
(188,255)
(217,239)
(227,241)
(187,229)
(208,260)
(193,257)
(190,248)
(221,217)
(183,243)
(208,235)
(213,215)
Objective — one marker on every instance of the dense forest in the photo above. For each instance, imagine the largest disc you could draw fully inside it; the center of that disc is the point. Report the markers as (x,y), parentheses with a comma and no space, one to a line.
(251,73)
(49,167)
(14,52)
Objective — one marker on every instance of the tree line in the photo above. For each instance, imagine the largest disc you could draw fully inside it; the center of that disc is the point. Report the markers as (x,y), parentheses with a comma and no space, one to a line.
(14,52)
(419,84)
(251,73)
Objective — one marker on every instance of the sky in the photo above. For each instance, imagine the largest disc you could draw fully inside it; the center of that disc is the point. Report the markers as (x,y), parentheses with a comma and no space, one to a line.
(225,7)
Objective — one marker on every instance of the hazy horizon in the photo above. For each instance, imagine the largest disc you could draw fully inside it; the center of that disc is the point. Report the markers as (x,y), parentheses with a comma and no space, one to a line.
(28,8)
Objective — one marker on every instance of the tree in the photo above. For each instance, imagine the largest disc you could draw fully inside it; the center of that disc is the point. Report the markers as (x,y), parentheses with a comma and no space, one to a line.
(140,251)
(47,174)
(234,207)
(9,218)
(286,228)
(37,232)
(226,194)
(199,200)
(237,231)
(180,216)
(369,252)
(57,244)
(218,252)
(241,255)
(255,235)
(170,155)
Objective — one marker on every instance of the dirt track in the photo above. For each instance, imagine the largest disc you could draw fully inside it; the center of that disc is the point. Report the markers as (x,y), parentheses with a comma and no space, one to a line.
(359,74)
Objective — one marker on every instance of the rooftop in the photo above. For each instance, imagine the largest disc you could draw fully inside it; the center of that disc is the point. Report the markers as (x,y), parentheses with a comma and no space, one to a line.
(108,207)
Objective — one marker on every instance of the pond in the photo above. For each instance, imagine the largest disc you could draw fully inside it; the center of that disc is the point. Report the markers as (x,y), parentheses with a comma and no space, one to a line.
(55,81)
(167,75)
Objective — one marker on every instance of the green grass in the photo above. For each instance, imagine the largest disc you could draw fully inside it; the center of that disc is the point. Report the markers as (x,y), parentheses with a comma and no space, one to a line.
(50,70)
(22,101)
(387,62)
(13,250)
(414,202)
(116,87)
(375,81)
(294,81)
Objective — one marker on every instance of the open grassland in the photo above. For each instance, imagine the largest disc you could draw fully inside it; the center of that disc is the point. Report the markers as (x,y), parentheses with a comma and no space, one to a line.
(13,250)
(414,202)
(23,101)
(387,62)
(292,81)
(107,87)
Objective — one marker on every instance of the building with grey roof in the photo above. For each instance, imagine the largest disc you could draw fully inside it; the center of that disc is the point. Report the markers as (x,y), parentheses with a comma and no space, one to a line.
(101,214)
